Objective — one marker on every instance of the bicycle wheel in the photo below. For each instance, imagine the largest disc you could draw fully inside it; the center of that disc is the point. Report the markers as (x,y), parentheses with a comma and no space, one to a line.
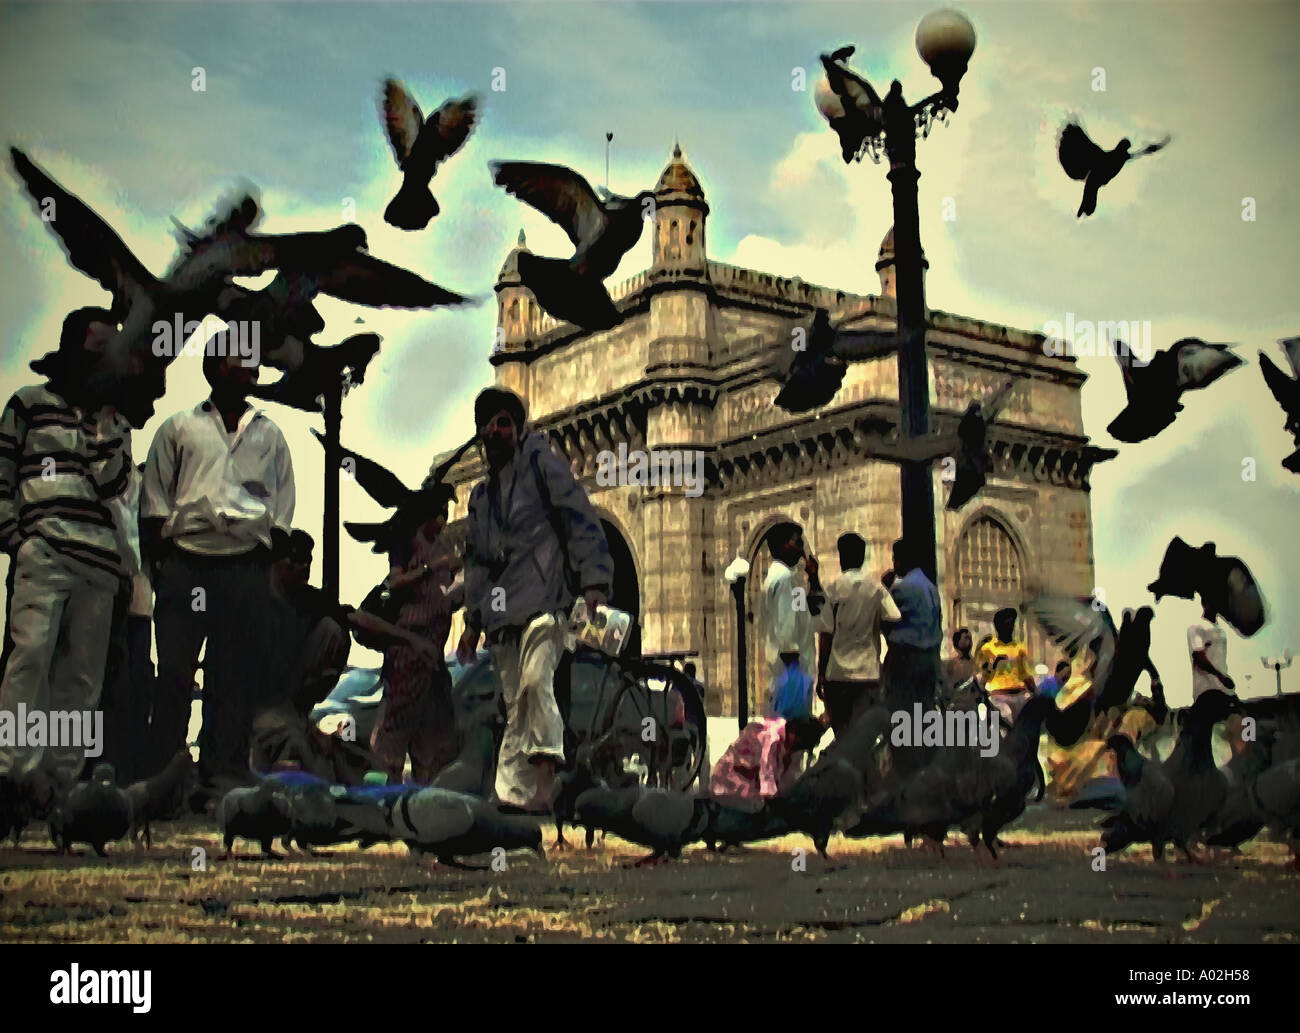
(645,719)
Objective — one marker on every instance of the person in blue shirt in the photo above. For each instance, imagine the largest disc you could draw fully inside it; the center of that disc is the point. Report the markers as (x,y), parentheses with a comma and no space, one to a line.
(1051,687)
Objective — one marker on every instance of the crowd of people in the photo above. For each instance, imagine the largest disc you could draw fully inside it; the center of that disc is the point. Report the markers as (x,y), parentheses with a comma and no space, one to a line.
(194,552)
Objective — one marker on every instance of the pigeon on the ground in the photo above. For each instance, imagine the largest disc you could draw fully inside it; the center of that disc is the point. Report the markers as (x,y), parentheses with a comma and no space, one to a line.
(420,145)
(1286,389)
(861,113)
(730,826)
(568,786)
(1277,793)
(472,771)
(1224,583)
(323,371)
(1012,772)
(602,232)
(1240,817)
(1153,390)
(94,812)
(1145,804)
(162,796)
(1084,160)
(129,369)
(259,813)
(660,819)
(446,824)
(811,361)
(1200,788)
(411,506)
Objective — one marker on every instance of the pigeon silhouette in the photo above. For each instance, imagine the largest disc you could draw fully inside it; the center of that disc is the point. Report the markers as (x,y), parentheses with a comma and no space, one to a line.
(1200,788)
(1224,583)
(94,812)
(972,460)
(1011,773)
(1277,794)
(1084,160)
(812,360)
(602,232)
(129,368)
(411,506)
(1153,390)
(1145,804)
(1240,818)
(420,145)
(730,826)
(660,819)
(162,796)
(322,372)
(259,813)
(861,113)
(1286,389)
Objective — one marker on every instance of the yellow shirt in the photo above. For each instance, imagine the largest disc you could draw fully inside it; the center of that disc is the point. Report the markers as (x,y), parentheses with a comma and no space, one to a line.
(1005,666)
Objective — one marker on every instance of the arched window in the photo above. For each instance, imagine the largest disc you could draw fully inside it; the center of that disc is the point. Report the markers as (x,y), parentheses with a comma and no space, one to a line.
(990,575)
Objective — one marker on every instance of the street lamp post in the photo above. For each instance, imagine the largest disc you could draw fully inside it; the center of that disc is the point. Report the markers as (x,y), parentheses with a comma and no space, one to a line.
(735,574)
(1277,665)
(945,40)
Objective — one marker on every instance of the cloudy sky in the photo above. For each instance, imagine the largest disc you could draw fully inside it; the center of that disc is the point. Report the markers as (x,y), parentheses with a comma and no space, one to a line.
(102,96)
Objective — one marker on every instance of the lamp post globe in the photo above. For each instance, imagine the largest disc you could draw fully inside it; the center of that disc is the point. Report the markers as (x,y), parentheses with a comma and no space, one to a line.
(945,39)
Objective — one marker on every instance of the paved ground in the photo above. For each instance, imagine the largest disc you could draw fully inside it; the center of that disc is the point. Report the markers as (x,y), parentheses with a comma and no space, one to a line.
(1044,891)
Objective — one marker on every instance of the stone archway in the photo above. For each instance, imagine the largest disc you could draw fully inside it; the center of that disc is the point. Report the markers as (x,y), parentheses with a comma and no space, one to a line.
(988,573)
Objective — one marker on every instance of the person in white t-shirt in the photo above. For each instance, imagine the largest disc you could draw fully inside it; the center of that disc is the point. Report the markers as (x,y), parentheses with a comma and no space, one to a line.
(848,677)
(1208,645)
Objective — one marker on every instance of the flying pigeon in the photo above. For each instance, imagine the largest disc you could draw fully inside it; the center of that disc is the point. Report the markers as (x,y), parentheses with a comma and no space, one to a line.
(660,819)
(861,113)
(162,796)
(94,812)
(811,374)
(420,145)
(602,230)
(187,291)
(323,371)
(1153,390)
(972,446)
(412,506)
(1224,583)
(1084,160)
(1286,389)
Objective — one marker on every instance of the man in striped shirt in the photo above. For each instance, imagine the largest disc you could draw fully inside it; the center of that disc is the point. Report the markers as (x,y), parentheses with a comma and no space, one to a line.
(63,455)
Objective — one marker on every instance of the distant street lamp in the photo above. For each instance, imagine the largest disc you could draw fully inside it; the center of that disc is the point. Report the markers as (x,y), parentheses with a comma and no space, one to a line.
(1277,665)
(735,575)
(945,40)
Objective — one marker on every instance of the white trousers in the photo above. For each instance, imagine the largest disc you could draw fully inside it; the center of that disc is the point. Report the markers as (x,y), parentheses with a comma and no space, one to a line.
(534,725)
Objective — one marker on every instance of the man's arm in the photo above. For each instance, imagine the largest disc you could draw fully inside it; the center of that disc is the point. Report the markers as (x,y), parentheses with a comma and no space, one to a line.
(1201,659)
(282,502)
(587,547)
(13,436)
(388,633)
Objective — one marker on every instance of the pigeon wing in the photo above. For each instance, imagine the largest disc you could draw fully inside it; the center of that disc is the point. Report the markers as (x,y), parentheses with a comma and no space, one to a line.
(846,83)
(860,345)
(380,483)
(1078,154)
(359,278)
(454,122)
(1127,365)
(1149,802)
(994,406)
(1291,345)
(1199,364)
(1075,625)
(1282,386)
(403,119)
(89,243)
(559,193)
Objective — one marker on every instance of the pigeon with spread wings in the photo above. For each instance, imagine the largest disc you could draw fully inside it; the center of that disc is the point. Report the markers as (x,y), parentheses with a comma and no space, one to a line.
(411,505)
(602,232)
(1084,160)
(420,145)
(322,371)
(1153,389)
(812,360)
(187,291)
(1286,389)
(1079,627)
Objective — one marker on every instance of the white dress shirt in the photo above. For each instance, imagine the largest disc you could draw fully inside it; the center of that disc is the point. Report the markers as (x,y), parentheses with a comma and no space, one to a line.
(220,493)
(855,606)
(787,625)
(1208,636)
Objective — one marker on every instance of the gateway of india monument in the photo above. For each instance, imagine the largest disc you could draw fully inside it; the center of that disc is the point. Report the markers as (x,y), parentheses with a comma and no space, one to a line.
(688,370)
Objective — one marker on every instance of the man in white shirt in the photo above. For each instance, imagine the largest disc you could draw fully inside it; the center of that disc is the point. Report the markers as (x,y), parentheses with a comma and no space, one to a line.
(791,601)
(218,480)
(848,678)
(1208,646)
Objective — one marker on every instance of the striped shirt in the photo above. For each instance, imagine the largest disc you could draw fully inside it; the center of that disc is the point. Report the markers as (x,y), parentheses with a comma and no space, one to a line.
(59,467)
